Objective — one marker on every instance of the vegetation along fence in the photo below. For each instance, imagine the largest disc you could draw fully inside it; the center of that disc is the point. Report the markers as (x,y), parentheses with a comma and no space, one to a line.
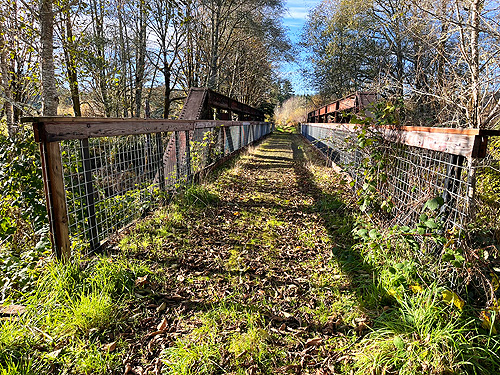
(405,170)
(101,174)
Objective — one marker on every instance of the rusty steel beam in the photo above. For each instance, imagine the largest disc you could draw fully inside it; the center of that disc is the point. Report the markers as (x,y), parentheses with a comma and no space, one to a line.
(351,103)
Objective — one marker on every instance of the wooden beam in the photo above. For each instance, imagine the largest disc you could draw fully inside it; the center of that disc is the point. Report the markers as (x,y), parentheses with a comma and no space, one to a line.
(464,142)
(54,129)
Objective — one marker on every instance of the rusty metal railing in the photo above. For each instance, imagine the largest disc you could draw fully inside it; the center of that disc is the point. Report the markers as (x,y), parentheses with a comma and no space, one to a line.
(421,163)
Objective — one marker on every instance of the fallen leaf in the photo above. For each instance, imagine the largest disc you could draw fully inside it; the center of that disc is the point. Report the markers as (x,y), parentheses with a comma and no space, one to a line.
(486,323)
(128,370)
(153,334)
(163,325)
(495,281)
(12,310)
(162,307)
(452,298)
(416,288)
(314,342)
(361,327)
(111,347)
(54,354)
(141,281)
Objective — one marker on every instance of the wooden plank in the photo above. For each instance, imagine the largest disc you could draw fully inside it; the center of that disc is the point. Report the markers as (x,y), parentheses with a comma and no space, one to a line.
(55,129)
(456,144)
(59,130)
(423,129)
(464,142)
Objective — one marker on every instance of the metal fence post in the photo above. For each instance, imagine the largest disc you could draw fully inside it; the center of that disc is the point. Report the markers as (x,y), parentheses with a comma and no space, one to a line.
(222,136)
(177,156)
(89,195)
(161,161)
(229,138)
(188,156)
(453,172)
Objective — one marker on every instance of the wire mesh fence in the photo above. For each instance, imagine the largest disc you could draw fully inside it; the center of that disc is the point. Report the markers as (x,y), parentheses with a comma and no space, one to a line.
(487,172)
(112,181)
(407,176)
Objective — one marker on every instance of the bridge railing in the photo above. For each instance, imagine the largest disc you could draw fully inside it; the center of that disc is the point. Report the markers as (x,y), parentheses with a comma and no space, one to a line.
(101,174)
(418,164)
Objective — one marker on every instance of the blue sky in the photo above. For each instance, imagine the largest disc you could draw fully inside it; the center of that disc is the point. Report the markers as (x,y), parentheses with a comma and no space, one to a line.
(294,19)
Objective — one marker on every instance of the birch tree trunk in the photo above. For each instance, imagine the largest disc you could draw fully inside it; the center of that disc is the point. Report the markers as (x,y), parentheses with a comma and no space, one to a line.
(49,92)
(7,107)
(474,64)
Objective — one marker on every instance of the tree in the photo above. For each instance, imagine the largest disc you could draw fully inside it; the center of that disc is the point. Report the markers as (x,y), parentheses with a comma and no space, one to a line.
(19,58)
(168,20)
(345,52)
(69,46)
(49,91)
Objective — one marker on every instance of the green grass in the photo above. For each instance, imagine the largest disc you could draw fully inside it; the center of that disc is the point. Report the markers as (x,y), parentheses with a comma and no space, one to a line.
(424,335)
(248,270)
(73,312)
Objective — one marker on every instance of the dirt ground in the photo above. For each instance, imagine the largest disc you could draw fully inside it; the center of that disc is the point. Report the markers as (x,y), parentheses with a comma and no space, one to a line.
(245,280)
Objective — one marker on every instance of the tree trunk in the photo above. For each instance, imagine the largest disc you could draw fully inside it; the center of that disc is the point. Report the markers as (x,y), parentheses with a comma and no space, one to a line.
(214,53)
(9,113)
(49,92)
(98,22)
(474,68)
(166,96)
(69,56)
(140,67)
(123,61)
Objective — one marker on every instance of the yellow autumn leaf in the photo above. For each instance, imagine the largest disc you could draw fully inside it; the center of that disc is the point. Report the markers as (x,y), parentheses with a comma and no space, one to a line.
(416,288)
(495,281)
(452,298)
(485,317)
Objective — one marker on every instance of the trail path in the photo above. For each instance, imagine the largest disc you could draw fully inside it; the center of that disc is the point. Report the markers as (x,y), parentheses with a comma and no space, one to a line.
(246,277)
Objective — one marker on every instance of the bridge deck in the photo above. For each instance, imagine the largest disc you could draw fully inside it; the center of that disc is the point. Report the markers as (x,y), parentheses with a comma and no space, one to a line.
(254,255)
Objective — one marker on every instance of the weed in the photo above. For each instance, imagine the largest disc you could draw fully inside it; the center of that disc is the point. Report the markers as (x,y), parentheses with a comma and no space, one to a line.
(422,335)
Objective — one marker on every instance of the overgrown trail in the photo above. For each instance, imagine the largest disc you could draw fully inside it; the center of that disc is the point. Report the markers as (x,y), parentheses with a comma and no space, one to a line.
(244,277)
(256,272)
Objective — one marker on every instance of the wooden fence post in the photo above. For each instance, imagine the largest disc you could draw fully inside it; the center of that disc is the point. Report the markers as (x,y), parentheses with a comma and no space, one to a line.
(56,198)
